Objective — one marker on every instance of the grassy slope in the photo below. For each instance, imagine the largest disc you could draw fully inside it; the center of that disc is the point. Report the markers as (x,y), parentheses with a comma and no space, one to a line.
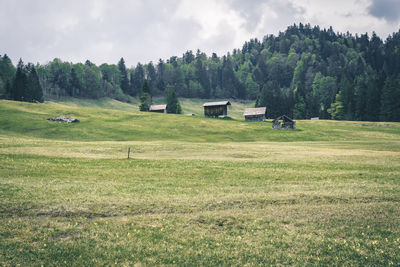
(115,125)
(195,193)
(189,106)
(105,103)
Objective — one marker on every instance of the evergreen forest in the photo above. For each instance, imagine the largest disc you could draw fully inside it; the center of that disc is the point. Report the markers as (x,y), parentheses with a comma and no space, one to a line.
(303,72)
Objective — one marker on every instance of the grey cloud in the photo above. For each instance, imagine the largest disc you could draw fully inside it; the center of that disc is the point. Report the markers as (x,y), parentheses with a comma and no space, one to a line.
(139,30)
(252,11)
(386,9)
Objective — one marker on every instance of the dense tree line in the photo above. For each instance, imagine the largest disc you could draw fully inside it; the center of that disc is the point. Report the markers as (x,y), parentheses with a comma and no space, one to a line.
(303,72)
(22,83)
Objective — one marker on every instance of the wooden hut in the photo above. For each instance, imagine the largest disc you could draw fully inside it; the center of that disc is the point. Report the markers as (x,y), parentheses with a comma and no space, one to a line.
(215,109)
(255,114)
(284,122)
(158,108)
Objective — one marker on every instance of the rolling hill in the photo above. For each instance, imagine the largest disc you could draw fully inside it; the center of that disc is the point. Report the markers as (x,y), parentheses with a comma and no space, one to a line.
(117,121)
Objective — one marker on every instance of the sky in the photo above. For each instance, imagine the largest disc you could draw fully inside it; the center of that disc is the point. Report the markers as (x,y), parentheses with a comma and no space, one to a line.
(103,31)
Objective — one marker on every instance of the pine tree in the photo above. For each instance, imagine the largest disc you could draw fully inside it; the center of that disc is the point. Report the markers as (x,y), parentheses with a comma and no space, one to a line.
(373,98)
(19,87)
(34,88)
(145,87)
(88,63)
(137,79)
(347,90)
(160,76)
(270,98)
(151,76)
(202,78)
(173,105)
(26,85)
(228,79)
(390,107)
(361,98)
(145,97)
(7,75)
(124,77)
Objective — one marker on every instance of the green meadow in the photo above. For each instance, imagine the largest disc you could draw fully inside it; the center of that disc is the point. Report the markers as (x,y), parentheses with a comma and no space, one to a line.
(196,191)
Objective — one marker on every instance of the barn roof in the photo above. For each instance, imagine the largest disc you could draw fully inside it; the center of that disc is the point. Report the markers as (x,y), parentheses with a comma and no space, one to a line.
(284,118)
(157,107)
(220,103)
(254,111)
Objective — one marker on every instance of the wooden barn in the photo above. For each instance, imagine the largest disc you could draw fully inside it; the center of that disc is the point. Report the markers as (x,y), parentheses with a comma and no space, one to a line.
(215,109)
(158,108)
(255,114)
(284,122)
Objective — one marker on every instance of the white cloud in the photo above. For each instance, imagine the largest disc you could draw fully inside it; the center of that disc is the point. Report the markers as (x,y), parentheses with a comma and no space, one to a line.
(140,30)
(343,16)
(216,19)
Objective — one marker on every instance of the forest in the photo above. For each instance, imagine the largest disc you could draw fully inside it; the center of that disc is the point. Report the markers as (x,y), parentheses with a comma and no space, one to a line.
(303,72)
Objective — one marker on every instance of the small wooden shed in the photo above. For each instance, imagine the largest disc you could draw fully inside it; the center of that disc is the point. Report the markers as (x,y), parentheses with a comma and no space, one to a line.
(284,122)
(255,114)
(158,108)
(215,109)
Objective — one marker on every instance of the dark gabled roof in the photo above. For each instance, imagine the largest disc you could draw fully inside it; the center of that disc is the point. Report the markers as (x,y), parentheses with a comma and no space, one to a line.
(284,118)
(220,103)
(254,111)
(157,107)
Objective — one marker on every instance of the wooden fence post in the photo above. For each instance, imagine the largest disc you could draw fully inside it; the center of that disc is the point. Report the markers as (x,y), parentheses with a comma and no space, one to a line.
(129,151)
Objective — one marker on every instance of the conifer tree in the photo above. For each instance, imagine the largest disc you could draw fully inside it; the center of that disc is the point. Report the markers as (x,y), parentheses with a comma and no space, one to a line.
(34,89)
(18,90)
(373,98)
(160,75)
(347,90)
(173,105)
(390,107)
(270,98)
(151,76)
(137,79)
(7,73)
(202,78)
(360,92)
(26,85)
(145,97)
(124,77)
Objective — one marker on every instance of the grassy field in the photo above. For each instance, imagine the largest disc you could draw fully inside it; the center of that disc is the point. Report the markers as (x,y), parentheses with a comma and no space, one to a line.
(189,106)
(196,191)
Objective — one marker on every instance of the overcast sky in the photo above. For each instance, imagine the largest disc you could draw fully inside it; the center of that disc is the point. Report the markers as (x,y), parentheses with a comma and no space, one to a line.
(103,31)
